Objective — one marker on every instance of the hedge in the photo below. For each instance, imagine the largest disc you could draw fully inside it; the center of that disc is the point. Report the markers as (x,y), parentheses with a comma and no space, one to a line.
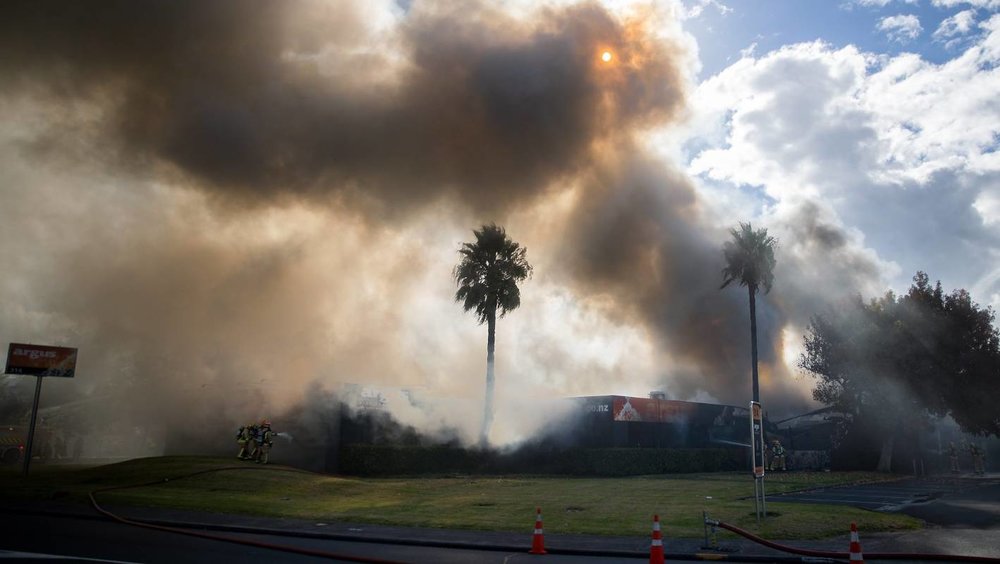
(376,460)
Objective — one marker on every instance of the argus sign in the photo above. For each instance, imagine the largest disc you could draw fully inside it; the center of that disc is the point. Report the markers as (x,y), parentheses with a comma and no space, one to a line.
(40,360)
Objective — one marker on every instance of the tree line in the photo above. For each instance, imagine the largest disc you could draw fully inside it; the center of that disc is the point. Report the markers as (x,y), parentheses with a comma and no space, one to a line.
(896,362)
(891,364)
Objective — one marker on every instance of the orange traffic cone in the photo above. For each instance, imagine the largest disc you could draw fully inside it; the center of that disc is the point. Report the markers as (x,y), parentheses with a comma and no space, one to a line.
(656,548)
(538,539)
(856,555)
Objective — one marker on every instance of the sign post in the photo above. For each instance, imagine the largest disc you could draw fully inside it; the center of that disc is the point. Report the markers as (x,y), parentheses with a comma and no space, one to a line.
(39,361)
(31,427)
(757,447)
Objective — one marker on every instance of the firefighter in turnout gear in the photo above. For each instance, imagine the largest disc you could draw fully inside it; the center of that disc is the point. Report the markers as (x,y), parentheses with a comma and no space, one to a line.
(978,462)
(253,446)
(243,438)
(266,436)
(777,456)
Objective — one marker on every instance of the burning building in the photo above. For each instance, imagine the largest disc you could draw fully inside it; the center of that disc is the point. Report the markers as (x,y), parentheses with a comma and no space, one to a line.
(376,416)
(656,422)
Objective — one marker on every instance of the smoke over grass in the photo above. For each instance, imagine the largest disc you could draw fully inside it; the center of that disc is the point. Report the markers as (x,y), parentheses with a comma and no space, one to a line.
(224,205)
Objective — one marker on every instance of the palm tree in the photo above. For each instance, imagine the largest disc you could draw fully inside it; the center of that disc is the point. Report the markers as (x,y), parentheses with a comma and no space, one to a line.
(487,278)
(750,261)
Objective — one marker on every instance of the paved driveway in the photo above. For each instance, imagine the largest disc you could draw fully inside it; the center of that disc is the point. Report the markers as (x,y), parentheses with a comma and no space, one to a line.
(887,496)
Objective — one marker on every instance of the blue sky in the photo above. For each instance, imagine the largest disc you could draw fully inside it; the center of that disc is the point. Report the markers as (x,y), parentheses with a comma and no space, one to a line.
(862,135)
(724,29)
(888,125)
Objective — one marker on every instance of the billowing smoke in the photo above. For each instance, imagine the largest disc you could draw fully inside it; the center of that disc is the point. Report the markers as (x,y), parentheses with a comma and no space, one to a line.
(263,102)
(226,204)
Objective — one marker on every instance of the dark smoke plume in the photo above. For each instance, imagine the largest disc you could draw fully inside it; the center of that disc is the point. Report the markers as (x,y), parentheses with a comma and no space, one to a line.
(488,109)
(244,117)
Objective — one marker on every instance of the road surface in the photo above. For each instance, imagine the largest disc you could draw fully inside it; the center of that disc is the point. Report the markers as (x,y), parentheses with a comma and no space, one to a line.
(68,536)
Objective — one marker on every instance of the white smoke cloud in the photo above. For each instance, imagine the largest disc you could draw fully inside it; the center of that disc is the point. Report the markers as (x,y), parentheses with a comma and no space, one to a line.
(200,291)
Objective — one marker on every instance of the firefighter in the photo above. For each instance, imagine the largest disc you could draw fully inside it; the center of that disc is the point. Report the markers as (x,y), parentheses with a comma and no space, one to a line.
(243,438)
(978,467)
(253,444)
(266,436)
(777,456)
(953,457)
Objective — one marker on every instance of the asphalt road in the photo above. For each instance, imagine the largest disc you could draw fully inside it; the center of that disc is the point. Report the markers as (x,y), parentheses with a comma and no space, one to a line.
(963,518)
(33,539)
(966,521)
(887,496)
(969,508)
(962,514)
(66,536)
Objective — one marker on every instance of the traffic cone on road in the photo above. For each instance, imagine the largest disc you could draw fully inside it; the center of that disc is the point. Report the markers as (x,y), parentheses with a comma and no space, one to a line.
(656,548)
(856,555)
(538,539)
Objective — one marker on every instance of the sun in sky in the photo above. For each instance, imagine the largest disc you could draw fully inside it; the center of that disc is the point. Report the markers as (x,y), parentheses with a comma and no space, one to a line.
(606,56)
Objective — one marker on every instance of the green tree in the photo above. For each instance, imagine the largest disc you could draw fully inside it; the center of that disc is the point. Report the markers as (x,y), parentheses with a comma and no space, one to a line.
(857,353)
(750,261)
(487,278)
(961,357)
(897,361)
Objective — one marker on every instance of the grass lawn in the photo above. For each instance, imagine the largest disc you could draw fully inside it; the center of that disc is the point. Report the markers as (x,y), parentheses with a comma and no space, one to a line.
(603,506)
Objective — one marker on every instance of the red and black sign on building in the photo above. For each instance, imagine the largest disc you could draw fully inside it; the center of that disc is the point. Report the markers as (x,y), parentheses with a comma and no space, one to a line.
(630,422)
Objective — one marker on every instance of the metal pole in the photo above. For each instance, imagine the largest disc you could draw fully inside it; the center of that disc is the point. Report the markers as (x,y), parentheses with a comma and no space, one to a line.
(763,499)
(31,427)
(704,524)
(756,500)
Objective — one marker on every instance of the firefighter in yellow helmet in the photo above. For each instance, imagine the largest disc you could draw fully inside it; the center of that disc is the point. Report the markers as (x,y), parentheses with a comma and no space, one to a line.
(953,458)
(777,456)
(244,437)
(978,459)
(253,444)
(266,437)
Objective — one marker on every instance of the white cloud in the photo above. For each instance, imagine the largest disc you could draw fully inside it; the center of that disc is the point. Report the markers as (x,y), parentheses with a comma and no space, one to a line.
(697,8)
(749,51)
(901,28)
(896,157)
(954,27)
(932,118)
(759,104)
(987,4)
(875,3)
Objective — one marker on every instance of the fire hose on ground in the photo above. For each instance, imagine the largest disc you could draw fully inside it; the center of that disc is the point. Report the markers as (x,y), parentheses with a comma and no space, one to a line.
(844,555)
(224,538)
(438,544)
(808,554)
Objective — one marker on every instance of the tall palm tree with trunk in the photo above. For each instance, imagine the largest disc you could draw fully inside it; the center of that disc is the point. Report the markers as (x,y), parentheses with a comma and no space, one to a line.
(487,278)
(750,261)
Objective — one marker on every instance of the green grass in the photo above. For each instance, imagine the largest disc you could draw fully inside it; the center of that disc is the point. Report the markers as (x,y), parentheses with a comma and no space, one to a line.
(603,506)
